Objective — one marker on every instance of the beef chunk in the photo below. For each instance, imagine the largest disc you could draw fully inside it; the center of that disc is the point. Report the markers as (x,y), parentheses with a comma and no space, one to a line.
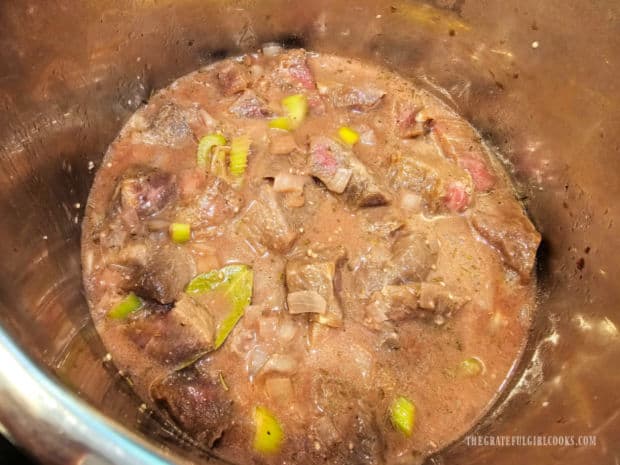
(428,301)
(363,189)
(369,268)
(413,256)
(293,72)
(460,143)
(348,431)
(215,202)
(196,402)
(281,143)
(504,225)
(250,105)
(142,194)
(233,78)
(163,274)
(321,277)
(342,172)
(442,185)
(357,99)
(176,336)
(411,122)
(170,126)
(265,219)
(269,288)
(328,162)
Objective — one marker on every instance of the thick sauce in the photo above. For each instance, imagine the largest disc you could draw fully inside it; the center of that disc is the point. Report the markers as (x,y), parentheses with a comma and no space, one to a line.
(364,284)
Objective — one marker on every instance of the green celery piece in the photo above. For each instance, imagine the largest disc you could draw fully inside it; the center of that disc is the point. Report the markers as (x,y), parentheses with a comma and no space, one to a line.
(402,414)
(235,281)
(203,155)
(125,307)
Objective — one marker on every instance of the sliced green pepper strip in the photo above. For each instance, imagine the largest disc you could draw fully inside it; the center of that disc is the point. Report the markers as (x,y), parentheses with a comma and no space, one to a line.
(268,435)
(203,156)
(235,282)
(125,307)
(402,414)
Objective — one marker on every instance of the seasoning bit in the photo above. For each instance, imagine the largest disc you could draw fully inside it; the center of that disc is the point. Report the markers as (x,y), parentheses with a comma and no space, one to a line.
(535,44)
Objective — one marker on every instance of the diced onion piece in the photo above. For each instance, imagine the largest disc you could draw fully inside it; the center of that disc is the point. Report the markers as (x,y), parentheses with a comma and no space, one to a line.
(296,107)
(411,202)
(282,122)
(268,435)
(402,415)
(255,361)
(279,389)
(348,136)
(470,367)
(285,182)
(125,307)
(239,150)
(306,302)
(280,363)
(180,232)
(271,49)
(287,331)
(367,135)
(206,144)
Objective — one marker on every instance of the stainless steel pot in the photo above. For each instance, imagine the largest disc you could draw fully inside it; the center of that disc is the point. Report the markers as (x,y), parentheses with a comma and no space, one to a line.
(539,79)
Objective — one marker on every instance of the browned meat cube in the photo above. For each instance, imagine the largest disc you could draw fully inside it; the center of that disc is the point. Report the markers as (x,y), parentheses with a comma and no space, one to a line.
(441,184)
(363,189)
(269,288)
(317,276)
(342,172)
(196,402)
(411,124)
(170,126)
(144,193)
(265,219)
(504,225)
(328,162)
(417,300)
(250,105)
(461,144)
(163,274)
(413,256)
(233,78)
(174,337)
(348,432)
(357,99)
(281,142)
(292,71)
